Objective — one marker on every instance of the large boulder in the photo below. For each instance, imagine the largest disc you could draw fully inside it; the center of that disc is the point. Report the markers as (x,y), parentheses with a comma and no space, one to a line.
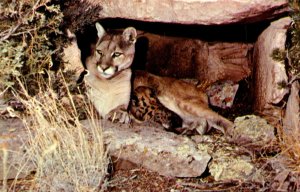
(154,149)
(269,73)
(206,12)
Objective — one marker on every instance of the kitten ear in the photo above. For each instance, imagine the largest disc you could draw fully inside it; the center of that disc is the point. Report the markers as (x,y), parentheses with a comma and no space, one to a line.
(100,30)
(129,35)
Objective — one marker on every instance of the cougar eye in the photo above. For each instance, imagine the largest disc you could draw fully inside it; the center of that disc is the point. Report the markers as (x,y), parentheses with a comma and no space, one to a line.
(116,54)
(100,53)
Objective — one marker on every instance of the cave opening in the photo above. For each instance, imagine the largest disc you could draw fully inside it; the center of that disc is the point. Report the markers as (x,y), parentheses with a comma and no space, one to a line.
(181,42)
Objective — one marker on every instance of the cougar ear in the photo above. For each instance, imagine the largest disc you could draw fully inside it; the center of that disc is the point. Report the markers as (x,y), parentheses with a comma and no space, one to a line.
(86,72)
(129,35)
(100,30)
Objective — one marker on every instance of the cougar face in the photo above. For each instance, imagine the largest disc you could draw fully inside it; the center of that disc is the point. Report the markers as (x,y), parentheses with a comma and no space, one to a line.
(112,54)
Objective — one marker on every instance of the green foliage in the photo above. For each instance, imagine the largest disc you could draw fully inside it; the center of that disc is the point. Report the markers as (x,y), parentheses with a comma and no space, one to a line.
(12,59)
(292,54)
(26,29)
(282,85)
(294,45)
(278,55)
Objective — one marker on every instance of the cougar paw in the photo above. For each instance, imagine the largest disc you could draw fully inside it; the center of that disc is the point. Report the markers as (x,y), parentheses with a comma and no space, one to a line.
(120,116)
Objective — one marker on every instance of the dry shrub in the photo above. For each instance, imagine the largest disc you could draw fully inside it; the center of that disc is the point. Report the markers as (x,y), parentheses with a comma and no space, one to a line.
(290,139)
(67,156)
(290,146)
(29,30)
(290,142)
(286,164)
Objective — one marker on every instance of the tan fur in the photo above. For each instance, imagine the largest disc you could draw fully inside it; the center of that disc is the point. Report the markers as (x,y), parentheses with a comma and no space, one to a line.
(110,94)
(109,75)
(183,98)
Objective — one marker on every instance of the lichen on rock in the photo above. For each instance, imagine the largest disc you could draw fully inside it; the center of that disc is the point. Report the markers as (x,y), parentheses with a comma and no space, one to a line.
(252,129)
(226,166)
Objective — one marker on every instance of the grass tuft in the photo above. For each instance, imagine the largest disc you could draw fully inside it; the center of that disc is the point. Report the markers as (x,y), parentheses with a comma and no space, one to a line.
(66,155)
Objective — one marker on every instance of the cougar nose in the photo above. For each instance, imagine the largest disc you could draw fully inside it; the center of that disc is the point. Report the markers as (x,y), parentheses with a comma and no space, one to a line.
(103,67)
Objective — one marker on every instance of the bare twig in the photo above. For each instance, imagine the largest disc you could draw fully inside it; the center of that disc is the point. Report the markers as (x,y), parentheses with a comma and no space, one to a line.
(23,32)
(13,29)
(10,32)
(2,93)
(217,186)
(294,78)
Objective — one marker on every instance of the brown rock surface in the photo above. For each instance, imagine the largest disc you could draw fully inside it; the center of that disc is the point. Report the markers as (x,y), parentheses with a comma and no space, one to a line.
(268,72)
(155,149)
(291,121)
(193,58)
(253,132)
(206,12)
(228,163)
(13,161)
(72,56)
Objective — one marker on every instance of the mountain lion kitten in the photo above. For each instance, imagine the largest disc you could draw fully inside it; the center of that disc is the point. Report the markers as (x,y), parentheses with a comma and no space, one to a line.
(109,73)
(145,107)
(186,100)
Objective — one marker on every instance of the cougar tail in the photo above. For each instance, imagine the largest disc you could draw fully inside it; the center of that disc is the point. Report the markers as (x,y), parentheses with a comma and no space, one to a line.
(217,121)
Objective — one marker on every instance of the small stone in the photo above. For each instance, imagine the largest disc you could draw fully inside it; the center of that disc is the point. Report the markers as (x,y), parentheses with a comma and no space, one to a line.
(222,94)
(229,167)
(252,129)
(226,163)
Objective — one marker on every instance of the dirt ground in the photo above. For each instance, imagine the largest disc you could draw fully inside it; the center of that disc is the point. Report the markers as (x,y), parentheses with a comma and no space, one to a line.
(141,180)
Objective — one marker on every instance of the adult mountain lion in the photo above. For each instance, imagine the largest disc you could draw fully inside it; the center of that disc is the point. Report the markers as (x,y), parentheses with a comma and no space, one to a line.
(109,73)
(109,78)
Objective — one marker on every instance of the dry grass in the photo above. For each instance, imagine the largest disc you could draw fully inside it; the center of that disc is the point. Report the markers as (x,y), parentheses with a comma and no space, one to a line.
(290,146)
(66,155)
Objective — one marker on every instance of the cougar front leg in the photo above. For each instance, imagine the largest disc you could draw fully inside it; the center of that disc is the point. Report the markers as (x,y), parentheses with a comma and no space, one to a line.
(119,114)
